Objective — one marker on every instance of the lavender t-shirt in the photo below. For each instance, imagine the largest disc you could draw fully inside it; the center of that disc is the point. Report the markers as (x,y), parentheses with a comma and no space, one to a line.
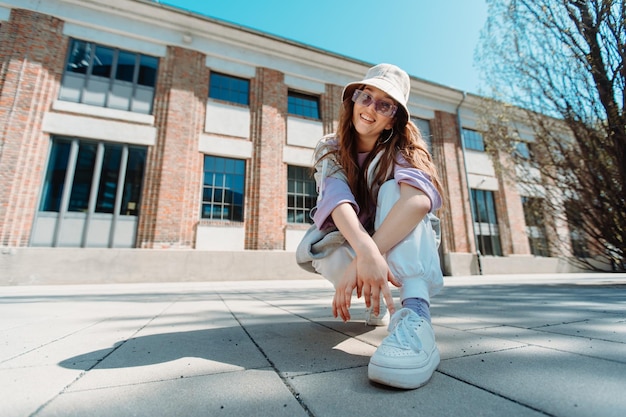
(337,192)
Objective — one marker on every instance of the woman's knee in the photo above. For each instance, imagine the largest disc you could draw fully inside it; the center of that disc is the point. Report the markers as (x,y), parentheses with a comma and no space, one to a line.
(333,266)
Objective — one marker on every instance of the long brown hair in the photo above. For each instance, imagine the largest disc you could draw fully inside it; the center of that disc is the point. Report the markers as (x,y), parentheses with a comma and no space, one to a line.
(407,139)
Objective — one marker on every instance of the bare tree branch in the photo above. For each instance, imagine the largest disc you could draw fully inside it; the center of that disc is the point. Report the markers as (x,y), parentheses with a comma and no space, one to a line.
(560,63)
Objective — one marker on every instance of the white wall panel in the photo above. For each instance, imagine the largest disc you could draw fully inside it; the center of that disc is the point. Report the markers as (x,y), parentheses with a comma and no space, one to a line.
(303,132)
(92,128)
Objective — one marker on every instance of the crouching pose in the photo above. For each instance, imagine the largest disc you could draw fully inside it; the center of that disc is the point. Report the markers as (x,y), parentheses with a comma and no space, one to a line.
(377,190)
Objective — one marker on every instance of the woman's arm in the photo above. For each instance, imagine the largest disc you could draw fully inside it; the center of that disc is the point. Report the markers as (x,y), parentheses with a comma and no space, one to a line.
(368,272)
(406,213)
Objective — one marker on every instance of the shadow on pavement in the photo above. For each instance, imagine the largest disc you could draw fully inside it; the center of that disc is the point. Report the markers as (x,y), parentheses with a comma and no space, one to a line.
(293,347)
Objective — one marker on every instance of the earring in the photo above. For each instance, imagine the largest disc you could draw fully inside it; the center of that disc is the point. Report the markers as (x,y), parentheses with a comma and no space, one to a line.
(388,138)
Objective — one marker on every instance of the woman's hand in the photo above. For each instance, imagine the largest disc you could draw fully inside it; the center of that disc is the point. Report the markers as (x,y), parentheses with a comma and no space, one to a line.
(368,272)
(343,292)
(369,275)
(372,274)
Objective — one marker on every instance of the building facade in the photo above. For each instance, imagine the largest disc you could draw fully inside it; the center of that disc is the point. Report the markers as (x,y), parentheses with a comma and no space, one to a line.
(132,127)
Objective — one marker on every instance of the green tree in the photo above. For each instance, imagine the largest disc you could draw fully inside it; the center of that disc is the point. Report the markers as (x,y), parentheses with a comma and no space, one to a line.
(555,69)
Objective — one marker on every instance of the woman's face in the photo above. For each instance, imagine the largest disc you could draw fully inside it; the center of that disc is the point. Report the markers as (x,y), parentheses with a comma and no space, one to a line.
(367,122)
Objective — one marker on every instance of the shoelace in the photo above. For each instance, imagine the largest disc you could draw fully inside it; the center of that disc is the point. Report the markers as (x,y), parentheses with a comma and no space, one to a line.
(403,334)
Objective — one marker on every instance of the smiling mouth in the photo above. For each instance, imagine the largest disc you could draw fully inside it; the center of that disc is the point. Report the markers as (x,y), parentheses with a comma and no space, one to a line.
(367,118)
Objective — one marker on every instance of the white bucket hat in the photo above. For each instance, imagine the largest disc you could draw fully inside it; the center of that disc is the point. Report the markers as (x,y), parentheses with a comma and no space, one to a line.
(388,78)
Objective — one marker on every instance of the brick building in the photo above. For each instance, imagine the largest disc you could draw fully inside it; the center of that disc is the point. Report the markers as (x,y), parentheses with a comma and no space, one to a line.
(136,136)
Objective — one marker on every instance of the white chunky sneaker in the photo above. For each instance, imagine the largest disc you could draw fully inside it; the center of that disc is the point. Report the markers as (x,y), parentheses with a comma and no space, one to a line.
(408,356)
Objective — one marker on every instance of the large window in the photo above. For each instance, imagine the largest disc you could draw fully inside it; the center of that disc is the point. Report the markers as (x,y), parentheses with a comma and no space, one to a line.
(109,77)
(223,189)
(486,223)
(535,225)
(473,140)
(301,194)
(303,105)
(91,195)
(229,89)
(106,177)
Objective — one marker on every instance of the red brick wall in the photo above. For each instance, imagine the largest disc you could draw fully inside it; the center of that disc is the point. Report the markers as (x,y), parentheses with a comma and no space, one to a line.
(32,53)
(265,213)
(331,104)
(456,222)
(510,212)
(173,181)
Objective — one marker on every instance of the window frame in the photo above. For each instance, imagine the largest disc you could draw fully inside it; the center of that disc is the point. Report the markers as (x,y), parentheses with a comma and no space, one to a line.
(486,229)
(122,177)
(113,88)
(535,226)
(299,186)
(524,150)
(227,175)
(215,77)
(297,108)
(473,140)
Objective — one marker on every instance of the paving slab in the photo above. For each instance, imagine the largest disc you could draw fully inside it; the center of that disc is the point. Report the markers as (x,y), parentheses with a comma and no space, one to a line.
(586,346)
(510,345)
(348,393)
(247,393)
(26,389)
(555,382)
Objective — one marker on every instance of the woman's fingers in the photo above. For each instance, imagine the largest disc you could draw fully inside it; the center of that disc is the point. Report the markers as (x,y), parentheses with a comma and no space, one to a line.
(345,306)
(372,294)
(366,290)
(388,299)
(342,302)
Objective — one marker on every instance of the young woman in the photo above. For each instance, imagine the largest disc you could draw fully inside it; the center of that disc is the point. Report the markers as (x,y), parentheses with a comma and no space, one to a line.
(379,188)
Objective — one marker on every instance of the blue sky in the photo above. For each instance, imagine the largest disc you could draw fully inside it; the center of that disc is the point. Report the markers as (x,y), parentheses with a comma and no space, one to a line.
(430,39)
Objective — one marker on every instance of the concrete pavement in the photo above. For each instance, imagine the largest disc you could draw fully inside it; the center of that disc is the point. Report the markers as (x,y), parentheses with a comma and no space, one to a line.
(517,345)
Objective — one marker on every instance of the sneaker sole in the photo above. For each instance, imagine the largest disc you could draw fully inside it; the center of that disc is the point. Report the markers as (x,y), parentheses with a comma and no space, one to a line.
(404,378)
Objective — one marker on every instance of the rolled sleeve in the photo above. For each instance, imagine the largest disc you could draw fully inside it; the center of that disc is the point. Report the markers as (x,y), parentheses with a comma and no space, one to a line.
(419,179)
(336,192)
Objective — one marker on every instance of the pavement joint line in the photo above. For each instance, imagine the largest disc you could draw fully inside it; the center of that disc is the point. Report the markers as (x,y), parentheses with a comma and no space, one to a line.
(321,325)
(469,355)
(497,394)
(326,371)
(558,324)
(99,361)
(156,381)
(528,344)
(315,322)
(571,335)
(578,353)
(53,341)
(488,327)
(291,388)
